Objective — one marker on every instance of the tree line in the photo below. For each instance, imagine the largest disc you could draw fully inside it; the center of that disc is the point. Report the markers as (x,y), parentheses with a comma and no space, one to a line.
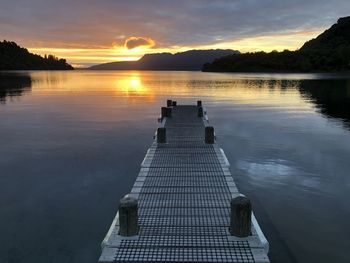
(14,57)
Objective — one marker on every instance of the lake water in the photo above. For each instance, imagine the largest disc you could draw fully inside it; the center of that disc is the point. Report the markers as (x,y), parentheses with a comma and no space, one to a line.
(72,143)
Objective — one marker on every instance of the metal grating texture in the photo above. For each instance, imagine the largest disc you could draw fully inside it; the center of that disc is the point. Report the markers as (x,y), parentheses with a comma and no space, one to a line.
(184,191)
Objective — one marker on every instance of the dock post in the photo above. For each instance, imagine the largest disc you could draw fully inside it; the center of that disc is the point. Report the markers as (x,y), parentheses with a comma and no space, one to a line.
(168,112)
(199,103)
(209,135)
(163,112)
(241,217)
(174,103)
(161,135)
(169,103)
(200,111)
(128,216)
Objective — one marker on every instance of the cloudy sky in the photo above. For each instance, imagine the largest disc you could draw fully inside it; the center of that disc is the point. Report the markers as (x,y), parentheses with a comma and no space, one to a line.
(94,31)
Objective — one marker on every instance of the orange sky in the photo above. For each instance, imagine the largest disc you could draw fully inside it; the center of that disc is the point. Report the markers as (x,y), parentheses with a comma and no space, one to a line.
(88,32)
(80,57)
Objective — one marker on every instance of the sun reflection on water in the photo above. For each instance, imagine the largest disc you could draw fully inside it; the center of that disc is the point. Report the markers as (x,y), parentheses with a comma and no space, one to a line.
(130,85)
(147,86)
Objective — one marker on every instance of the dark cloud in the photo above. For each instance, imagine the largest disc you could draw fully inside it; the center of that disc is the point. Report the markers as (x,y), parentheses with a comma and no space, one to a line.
(134,42)
(98,23)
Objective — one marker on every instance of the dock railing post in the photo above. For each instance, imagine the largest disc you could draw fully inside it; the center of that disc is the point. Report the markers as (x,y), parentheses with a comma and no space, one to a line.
(128,216)
(161,135)
(241,217)
(168,112)
(169,103)
(200,111)
(209,135)
(163,112)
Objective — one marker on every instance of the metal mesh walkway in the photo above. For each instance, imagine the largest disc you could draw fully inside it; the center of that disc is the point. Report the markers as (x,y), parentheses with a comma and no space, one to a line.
(184,190)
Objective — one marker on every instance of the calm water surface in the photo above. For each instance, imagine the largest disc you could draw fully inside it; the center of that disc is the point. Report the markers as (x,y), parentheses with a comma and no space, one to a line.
(72,142)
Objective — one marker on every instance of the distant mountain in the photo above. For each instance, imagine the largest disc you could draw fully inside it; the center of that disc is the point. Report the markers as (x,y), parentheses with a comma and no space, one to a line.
(188,60)
(14,57)
(330,51)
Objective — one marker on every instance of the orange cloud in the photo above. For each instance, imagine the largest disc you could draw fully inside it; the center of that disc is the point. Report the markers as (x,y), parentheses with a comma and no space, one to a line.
(134,42)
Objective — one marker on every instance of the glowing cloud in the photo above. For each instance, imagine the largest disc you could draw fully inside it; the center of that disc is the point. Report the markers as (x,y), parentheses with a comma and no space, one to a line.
(137,42)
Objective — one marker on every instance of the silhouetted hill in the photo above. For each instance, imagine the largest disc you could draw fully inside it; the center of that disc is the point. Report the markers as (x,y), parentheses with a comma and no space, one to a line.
(335,37)
(188,60)
(14,57)
(330,51)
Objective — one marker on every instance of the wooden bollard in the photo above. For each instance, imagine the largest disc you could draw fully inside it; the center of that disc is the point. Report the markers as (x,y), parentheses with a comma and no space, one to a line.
(169,103)
(161,135)
(199,103)
(128,217)
(200,111)
(174,103)
(163,112)
(168,112)
(241,217)
(209,134)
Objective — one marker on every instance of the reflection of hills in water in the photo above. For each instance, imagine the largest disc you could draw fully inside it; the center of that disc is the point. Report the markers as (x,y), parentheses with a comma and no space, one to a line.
(12,85)
(332,97)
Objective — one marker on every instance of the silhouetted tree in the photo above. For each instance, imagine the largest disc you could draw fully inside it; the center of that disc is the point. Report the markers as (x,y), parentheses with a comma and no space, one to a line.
(14,57)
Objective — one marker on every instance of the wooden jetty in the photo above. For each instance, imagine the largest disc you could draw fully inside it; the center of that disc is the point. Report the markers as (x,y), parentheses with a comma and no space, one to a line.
(184,205)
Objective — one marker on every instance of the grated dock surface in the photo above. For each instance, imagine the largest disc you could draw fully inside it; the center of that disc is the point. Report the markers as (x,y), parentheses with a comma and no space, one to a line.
(184,190)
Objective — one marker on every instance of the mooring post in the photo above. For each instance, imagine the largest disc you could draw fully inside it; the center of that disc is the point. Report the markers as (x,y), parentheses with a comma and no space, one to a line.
(168,112)
(169,103)
(128,216)
(174,103)
(209,134)
(200,111)
(241,217)
(163,112)
(199,103)
(161,135)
